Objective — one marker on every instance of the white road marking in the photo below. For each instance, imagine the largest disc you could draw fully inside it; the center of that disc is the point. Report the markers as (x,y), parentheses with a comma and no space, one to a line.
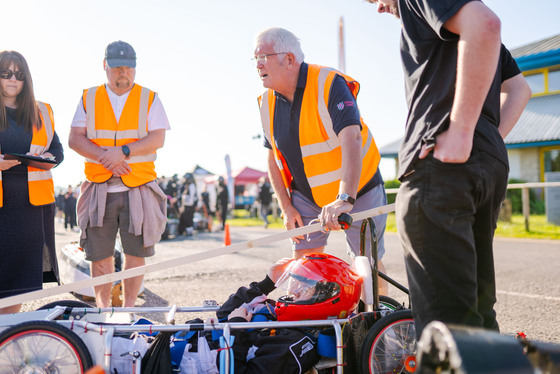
(528,295)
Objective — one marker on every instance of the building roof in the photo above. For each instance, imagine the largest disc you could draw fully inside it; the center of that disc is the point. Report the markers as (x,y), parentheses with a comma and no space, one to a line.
(549,44)
(539,123)
(199,170)
(539,54)
(391,150)
(248,175)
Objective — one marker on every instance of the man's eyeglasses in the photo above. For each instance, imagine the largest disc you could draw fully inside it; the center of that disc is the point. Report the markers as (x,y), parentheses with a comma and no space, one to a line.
(262,59)
(7,74)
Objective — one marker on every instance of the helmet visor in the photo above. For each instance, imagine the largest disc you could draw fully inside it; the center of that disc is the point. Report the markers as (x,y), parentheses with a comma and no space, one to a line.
(299,283)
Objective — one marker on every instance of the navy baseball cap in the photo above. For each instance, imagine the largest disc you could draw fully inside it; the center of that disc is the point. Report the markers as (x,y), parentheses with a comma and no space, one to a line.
(120,54)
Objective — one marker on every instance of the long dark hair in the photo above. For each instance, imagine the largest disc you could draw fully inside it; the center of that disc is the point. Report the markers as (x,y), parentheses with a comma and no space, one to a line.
(27,113)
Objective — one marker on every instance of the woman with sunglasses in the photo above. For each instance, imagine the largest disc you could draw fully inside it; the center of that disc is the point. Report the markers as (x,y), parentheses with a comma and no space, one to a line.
(26,193)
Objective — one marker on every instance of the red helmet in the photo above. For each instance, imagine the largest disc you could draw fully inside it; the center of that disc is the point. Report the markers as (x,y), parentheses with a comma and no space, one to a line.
(318,286)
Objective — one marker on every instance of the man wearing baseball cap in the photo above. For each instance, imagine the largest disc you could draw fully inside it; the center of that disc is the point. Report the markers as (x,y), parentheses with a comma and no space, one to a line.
(118,127)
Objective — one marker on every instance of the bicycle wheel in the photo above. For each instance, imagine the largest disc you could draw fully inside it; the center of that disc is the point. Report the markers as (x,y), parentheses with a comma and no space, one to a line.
(42,347)
(389,302)
(390,345)
(386,303)
(67,303)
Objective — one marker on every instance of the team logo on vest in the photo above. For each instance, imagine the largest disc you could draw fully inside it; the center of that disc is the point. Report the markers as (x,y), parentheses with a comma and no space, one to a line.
(340,105)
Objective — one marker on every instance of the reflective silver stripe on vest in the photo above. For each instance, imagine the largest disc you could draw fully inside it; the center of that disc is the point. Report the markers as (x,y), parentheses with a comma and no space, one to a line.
(39,149)
(90,112)
(365,148)
(34,176)
(325,178)
(132,159)
(143,114)
(332,142)
(265,119)
(265,116)
(47,123)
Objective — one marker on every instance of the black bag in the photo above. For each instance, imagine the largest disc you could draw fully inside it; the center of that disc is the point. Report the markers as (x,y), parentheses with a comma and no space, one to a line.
(283,351)
(157,359)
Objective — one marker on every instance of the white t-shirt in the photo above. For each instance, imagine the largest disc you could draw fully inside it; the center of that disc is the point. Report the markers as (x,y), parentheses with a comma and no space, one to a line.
(157,120)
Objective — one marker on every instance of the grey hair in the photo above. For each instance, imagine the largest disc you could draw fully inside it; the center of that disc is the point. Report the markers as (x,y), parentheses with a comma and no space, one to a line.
(282,40)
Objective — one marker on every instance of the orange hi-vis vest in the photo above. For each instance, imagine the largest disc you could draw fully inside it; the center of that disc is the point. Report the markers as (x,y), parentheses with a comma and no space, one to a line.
(320,146)
(104,130)
(40,182)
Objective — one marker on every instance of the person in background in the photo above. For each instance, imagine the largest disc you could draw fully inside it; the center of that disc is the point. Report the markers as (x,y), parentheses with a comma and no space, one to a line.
(118,127)
(189,201)
(69,209)
(264,197)
(27,197)
(465,93)
(222,201)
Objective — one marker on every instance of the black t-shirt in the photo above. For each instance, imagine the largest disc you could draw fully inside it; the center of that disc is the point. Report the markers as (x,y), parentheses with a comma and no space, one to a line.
(429,57)
(286,127)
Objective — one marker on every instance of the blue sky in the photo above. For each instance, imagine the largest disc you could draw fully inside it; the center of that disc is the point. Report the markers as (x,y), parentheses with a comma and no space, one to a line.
(196,55)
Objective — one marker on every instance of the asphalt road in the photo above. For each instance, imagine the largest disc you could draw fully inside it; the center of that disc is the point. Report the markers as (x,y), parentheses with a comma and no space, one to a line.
(528,280)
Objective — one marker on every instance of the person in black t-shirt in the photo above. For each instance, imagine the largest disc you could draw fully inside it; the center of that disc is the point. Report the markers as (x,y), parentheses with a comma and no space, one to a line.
(464,93)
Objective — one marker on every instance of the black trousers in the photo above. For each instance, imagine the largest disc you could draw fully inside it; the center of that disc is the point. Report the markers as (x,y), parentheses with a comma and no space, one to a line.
(186,219)
(70,218)
(446,218)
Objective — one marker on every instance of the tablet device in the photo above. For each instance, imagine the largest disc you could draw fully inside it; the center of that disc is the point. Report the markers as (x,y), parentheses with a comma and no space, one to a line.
(34,161)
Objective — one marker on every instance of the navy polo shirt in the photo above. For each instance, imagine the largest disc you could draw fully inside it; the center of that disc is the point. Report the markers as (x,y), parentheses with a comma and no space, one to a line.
(343,110)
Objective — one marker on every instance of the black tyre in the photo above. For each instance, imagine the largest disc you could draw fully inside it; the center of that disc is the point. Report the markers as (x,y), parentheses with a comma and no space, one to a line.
(385,303)
(67,303)
(390,345)
(43,347)
(389,302)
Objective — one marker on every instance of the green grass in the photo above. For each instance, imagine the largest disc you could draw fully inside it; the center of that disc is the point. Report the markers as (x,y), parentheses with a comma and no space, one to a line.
(539,228)
(241,217)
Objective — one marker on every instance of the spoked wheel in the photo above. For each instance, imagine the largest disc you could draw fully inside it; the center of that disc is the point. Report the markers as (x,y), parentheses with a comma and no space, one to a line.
(389,302)
(42,347)
(67,303)
(390,345)
(386,303)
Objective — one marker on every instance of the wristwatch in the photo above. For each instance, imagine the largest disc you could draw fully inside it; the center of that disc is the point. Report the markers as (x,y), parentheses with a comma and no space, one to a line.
(126,151)
(346,197)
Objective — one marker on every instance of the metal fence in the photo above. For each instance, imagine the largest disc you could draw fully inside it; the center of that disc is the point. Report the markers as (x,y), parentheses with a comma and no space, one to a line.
(524,195)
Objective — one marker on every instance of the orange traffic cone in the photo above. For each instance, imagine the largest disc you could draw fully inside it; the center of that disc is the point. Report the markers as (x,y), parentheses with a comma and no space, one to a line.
(227,240)
(96,370)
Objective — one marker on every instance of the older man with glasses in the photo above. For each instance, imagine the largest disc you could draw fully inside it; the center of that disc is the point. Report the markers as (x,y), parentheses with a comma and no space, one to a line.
(322,158)
(118,127)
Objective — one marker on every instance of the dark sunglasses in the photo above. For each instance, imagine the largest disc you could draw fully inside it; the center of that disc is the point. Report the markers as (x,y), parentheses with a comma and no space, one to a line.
(7,74)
